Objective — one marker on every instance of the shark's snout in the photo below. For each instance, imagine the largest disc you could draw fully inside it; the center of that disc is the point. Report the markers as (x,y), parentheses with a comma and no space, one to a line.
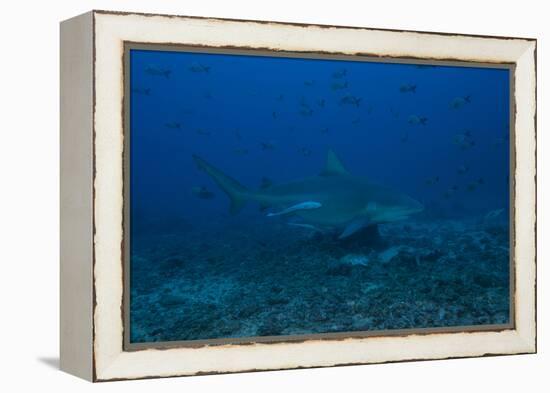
(407,207)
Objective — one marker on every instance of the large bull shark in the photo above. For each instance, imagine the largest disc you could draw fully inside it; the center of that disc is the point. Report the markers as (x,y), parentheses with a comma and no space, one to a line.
(333,199)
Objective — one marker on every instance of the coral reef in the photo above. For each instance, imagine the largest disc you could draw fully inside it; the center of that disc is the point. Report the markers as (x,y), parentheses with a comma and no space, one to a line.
(199,284)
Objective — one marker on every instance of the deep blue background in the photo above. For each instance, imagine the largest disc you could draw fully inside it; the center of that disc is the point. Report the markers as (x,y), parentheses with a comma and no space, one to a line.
(240,93)
(199,273)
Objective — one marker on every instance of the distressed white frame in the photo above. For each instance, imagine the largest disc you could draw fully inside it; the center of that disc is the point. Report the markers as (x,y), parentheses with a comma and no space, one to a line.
(110,30)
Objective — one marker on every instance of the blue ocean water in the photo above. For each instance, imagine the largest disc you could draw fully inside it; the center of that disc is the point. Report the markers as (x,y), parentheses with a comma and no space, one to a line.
(436,134)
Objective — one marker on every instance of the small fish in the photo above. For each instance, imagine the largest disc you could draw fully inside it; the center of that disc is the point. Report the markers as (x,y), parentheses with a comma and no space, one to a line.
(464,140)
(473,185)
(280,97)
(467,144)
(262,243)
(304,151)
(154,71)
(493,214)
(500,141)
(303,102)
(459,102)
(339,86)
(407,88)
(274,114)
(143,91)
(416,120)
(432,180)
(450,192)
(321,102)
(350,100)
(174,124)
(202,192)
(309,83)
(307,226)
(308,205)
(394,112)
(267,145)
(339,74)
(197,67)
(240,151)
(462,169)
(306,112)
(370,108)
(202,131)
(324,130)
(265,183)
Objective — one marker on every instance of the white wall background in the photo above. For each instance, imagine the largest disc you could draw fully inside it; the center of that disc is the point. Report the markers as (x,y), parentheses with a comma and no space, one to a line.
(29,195)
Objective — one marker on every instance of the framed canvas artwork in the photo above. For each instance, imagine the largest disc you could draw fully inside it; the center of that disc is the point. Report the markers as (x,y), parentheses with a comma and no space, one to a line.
(246,195)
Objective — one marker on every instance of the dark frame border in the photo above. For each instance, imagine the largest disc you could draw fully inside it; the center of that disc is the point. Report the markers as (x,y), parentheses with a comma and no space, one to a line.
(263,52)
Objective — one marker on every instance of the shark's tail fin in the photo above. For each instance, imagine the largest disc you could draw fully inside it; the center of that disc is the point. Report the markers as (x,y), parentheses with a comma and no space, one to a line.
(233,189)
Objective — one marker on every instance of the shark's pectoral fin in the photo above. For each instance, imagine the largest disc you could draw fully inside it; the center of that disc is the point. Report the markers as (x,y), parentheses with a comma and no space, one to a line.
(308,205)
(353,227)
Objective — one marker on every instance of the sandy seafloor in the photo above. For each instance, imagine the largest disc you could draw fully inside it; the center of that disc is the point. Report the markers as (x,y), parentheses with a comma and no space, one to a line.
(250,280)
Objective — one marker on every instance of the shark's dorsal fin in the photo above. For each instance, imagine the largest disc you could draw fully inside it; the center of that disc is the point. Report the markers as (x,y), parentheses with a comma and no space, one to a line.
(333,166)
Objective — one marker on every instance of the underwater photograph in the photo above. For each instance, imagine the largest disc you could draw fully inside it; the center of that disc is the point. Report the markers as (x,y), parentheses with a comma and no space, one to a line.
(276,195)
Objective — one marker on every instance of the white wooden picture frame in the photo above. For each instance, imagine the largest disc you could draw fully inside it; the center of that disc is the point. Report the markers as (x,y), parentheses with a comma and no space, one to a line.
(92,195)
